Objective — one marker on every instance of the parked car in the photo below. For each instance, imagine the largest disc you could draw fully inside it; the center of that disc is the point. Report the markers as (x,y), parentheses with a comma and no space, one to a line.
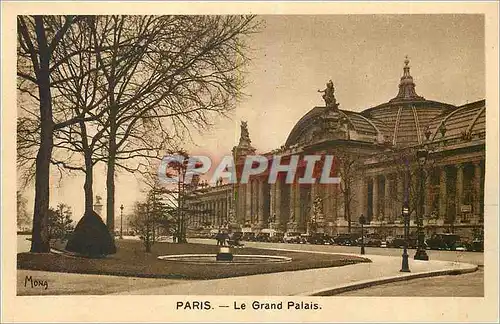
(460,246)
(373,240)
(477,245)
(318,238)
(277,238)
(442,241)
(346,239)
(291,237)
(304,238)
(164,238)
(262,237)
(248,236)
(396,242)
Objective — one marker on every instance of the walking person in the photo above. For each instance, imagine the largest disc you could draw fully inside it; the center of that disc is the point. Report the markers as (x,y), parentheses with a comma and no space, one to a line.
(225,237)
(218,237)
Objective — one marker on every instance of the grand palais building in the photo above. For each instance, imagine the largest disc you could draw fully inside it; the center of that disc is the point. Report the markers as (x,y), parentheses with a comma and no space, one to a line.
(380,165)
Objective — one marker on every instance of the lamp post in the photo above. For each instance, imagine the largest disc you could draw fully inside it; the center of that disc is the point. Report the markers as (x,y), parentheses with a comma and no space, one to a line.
(421,254)
(405,267)
(362,221)
(121,221)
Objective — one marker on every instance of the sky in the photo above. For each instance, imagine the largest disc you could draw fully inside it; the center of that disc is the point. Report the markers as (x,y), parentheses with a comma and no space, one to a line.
(294,56)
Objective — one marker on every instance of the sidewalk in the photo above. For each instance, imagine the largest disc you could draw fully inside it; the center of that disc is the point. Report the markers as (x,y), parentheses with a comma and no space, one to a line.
(314,282)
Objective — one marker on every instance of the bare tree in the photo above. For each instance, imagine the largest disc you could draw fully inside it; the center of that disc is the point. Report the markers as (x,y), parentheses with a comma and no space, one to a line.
(350,170)
(38,38)
(178,72)
(408,173)
(149,216)
(145,80)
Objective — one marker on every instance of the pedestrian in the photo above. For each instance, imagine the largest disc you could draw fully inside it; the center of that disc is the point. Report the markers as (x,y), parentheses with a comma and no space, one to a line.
(225,237)
(218,237)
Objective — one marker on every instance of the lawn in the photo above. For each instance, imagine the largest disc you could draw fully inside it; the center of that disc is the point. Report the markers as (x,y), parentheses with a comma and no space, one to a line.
(131,260)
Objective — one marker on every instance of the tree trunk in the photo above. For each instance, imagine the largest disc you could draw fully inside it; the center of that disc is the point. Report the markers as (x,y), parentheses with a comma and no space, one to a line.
(110,187)
(40,233)
(347,207)
(87,187)
(110,176)
(89,172)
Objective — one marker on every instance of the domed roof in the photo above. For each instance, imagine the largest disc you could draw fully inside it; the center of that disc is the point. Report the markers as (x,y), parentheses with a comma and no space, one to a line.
(404,123)
(303,129)
(406,120)
(467,122)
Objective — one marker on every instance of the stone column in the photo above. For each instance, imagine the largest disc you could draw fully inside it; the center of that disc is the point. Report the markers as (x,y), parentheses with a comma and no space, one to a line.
(241,203)
(221,211)
(206,217)
(340,205)
(442,193)
(260,206)
(198,215)
(333,193)
(272,203)
(364,195)
(427,193)
(210,214)
(375,198)
(298,208)
(248,202)
(277,203)
(387,198)
(460,190)
(292,218)
(327,209)
(224,208)
(194,214)
(314,192)
(477,189)
(359,197)
(216,212)
(255,203)
(401,193)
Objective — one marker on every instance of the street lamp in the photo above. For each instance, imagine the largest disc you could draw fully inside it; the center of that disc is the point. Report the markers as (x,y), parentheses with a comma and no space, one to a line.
(421,254)
(405,267)
(121,221)
(362,221)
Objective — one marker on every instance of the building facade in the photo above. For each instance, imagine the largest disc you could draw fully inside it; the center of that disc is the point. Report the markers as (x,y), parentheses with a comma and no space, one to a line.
(378,162)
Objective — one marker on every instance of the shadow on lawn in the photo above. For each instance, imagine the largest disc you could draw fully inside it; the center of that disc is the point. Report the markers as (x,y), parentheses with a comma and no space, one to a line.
(131,260)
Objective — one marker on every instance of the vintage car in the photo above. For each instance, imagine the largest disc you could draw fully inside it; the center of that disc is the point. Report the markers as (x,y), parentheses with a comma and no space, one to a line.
(291,237)
(442,241)
(318,238)
(346,239)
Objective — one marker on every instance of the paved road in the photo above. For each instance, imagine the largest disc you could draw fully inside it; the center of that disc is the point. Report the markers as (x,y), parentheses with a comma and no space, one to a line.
(465,285)
(468,257)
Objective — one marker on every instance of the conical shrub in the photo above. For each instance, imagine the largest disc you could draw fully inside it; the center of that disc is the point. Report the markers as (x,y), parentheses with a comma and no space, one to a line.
(91,237)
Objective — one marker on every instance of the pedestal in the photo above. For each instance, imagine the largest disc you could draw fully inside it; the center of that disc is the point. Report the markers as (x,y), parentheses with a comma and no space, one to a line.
(224,254)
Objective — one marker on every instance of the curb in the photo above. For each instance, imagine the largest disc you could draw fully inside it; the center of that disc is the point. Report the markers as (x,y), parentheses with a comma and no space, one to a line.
(330,291)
